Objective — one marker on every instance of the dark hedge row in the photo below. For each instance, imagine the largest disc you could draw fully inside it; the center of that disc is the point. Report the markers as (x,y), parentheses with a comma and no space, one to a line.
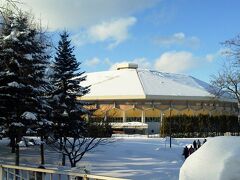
(200,126)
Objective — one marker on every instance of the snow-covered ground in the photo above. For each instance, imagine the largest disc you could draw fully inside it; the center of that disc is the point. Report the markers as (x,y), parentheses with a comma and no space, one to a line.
(218,159)
(136,157)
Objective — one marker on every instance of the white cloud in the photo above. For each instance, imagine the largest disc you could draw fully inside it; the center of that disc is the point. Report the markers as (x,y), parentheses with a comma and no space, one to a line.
(92,62)
(171,61)
(175,62)
(75,14)
(213,56)
(114,32)
(107,61)
(142,63)
(178,39)
(210,57)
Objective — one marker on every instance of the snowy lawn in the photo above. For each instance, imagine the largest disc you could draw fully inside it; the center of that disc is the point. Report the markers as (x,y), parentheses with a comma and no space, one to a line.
(134,158)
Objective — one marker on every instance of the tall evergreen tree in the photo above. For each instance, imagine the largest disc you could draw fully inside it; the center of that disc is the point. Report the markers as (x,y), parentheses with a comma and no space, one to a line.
(67,111)
(22,82)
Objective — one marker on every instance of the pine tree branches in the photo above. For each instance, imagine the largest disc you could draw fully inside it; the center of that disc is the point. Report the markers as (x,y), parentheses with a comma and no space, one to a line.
(23,85)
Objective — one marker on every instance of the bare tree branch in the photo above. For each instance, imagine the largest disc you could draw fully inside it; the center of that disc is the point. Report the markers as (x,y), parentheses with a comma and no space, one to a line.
(227,82)
(81,141)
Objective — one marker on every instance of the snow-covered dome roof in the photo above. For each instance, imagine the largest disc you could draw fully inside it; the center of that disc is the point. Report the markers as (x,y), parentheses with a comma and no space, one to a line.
(129,82)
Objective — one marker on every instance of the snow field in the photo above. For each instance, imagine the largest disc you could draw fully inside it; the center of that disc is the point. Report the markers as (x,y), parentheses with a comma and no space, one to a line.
(136,157)
(141,158)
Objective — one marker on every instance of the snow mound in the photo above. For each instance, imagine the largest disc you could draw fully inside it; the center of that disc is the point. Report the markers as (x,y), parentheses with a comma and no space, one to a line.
(15,84)
(17,124)
(217,159)
(25,144)
(29,116)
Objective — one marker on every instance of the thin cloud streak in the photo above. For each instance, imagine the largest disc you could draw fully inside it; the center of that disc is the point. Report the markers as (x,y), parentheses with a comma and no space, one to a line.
(177,39)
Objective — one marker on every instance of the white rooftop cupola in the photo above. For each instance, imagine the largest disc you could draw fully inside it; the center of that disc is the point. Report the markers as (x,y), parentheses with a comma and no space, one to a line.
(127,66)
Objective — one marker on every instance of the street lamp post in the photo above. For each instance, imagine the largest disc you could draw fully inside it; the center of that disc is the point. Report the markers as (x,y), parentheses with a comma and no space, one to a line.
(170,127)
(161,125)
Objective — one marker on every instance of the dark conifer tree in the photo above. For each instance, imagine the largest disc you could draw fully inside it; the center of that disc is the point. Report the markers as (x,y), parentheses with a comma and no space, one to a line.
(22,82)
(67,111)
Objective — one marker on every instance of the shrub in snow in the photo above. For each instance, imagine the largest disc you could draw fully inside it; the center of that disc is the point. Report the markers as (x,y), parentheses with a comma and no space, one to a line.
(217,159)
(22,144)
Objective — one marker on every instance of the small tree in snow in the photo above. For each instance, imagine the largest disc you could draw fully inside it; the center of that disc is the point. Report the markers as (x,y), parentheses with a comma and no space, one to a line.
(83,138)
(73,134)
(67,110)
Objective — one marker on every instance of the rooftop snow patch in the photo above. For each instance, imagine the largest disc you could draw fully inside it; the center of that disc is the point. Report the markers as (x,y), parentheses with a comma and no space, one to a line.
(168,84)
(120,84)
(217,159)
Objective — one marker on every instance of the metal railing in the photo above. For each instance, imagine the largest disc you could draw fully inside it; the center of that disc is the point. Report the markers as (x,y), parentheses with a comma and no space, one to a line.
(11,172)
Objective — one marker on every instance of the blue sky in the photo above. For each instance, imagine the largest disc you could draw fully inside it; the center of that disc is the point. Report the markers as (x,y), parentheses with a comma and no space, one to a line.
(181,36)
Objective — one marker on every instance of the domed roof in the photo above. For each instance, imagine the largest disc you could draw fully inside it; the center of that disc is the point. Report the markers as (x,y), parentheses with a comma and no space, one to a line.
(129,82)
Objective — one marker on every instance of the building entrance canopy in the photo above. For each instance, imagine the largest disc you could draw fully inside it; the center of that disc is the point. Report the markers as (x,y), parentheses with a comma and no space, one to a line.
(130,125)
